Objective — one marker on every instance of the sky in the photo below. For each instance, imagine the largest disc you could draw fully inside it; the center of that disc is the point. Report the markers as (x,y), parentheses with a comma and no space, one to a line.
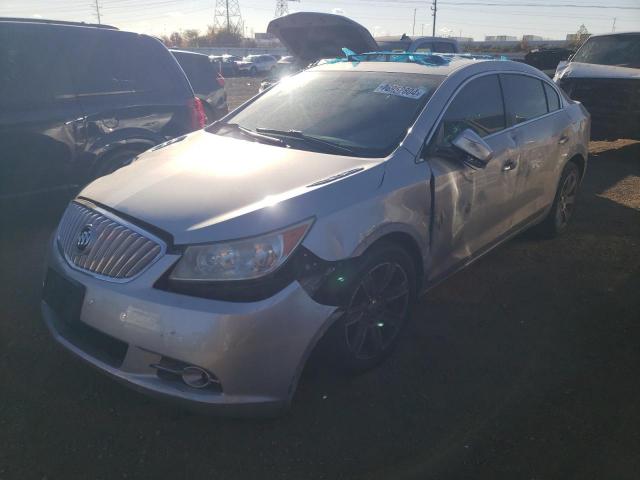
(469,18)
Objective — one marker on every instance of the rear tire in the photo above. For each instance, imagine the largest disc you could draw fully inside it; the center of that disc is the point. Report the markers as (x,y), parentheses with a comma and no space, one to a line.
(563,205)
(377,309)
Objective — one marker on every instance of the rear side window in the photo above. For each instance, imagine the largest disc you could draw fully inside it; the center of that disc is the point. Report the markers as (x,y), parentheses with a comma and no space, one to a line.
(32,71)
(444,47)
(112,63)
(553,101)
(477,106)
(524,97)
(425,47)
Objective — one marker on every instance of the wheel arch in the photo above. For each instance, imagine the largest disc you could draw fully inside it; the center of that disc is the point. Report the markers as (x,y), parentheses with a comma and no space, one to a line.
(581,162)
(410,245)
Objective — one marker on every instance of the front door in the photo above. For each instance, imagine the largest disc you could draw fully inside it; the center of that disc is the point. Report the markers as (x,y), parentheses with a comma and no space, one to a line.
(472,207)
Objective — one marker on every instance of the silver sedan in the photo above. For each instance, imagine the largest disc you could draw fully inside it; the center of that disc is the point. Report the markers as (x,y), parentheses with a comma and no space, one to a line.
(208,269)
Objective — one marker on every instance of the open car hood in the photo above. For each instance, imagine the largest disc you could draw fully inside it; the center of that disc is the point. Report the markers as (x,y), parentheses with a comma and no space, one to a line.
(311,36)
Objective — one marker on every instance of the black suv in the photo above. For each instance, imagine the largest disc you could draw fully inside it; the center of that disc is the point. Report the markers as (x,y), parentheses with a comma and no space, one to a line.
(207,82)
(78,101)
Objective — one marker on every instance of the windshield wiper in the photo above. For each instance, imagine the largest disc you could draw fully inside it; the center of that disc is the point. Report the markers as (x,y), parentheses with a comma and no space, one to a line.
(250,133)
(297,134)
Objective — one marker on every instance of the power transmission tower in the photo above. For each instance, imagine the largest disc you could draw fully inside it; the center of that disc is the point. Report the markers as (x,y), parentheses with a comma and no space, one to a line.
(282,7)
(227,16)
(97,7)
(434,8)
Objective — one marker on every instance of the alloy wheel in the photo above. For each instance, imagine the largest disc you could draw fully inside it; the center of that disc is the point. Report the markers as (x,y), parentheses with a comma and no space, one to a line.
(377,310)
(567,199)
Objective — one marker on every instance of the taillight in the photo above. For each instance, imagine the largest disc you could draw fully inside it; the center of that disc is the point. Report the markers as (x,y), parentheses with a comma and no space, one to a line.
(220,80)
(196,111)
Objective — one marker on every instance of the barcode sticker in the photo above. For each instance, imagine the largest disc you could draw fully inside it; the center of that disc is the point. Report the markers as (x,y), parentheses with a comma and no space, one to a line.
(400,91)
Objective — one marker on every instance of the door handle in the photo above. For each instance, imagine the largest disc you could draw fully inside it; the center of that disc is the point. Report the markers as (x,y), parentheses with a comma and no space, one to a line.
(509,165)
(563,139)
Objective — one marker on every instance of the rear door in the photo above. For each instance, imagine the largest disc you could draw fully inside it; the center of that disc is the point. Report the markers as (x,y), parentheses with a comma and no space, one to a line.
(472,206)
(130,87)
(541,129)
(40,118)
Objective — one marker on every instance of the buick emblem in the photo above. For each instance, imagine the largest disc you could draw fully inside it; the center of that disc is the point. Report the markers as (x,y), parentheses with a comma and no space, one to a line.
(84,238)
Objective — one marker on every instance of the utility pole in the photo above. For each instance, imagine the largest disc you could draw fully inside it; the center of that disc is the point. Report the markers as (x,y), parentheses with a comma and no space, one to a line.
(413,31)
(97,5)
(228,20)
(423,29)
(613,28)
(434,8)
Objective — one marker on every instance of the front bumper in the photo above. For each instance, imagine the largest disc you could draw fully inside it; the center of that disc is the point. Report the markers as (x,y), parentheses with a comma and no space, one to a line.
(256,350)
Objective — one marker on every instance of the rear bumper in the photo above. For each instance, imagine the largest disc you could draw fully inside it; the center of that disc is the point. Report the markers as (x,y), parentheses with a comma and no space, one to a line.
(256,350)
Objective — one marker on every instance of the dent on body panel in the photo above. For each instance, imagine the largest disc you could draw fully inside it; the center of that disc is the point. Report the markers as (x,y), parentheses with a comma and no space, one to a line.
(400,204)
(456,197)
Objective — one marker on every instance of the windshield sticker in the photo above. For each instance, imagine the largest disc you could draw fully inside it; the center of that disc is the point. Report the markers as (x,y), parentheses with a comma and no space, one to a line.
(400,91)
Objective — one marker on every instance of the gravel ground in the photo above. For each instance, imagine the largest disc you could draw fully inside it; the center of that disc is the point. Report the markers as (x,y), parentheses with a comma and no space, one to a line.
(523,366)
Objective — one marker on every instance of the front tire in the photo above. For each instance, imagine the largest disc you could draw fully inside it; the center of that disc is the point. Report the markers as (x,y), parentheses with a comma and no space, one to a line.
(381,296)
(563,205)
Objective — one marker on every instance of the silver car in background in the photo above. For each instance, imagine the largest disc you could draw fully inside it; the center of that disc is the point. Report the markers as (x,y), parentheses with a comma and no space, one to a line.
(208,269)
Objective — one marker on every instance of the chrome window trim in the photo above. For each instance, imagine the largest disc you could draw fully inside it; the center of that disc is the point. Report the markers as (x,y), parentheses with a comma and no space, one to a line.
(419,157)
(144,233)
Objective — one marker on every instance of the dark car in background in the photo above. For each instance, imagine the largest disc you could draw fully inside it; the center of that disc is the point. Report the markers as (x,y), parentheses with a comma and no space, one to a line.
(206,80)
(405,43)
(547,59)
(78,101)
(604,75)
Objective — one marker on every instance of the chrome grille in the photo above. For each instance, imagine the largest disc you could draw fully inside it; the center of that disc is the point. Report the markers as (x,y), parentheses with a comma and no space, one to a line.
(112,248)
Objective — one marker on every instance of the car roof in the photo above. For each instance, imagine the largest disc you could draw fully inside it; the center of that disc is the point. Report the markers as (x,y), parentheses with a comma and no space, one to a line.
(456,63)
(409,39)
(187,52)
(613,34)
(55,22)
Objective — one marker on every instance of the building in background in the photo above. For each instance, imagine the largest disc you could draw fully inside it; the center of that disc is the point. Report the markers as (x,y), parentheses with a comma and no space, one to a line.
(500,38)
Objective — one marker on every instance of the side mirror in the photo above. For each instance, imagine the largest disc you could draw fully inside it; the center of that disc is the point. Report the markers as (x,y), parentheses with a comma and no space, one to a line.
(472,144)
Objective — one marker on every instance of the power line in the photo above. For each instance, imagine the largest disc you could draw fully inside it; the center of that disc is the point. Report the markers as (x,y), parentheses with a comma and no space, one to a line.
(545,5)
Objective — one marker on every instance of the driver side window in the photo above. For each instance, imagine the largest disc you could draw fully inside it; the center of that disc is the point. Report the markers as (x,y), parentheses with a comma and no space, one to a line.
(478,106)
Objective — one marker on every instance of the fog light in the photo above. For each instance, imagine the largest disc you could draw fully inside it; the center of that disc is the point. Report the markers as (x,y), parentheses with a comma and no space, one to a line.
(196,377)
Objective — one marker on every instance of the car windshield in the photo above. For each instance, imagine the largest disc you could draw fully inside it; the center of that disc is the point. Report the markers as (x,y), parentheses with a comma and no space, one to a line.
(618,50)
(251,58)
(367,113)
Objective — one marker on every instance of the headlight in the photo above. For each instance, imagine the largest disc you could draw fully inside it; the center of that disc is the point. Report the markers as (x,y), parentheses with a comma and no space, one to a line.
(244,259)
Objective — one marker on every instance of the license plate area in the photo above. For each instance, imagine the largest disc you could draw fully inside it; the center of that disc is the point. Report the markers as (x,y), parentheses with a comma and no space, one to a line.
(64,296)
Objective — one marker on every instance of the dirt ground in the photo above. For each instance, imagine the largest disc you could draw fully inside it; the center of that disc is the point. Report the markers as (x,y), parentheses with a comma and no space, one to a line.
(240,89)
(523,366)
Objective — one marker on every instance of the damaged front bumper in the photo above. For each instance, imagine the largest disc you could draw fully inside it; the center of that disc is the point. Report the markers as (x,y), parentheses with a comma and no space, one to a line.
(253,351)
